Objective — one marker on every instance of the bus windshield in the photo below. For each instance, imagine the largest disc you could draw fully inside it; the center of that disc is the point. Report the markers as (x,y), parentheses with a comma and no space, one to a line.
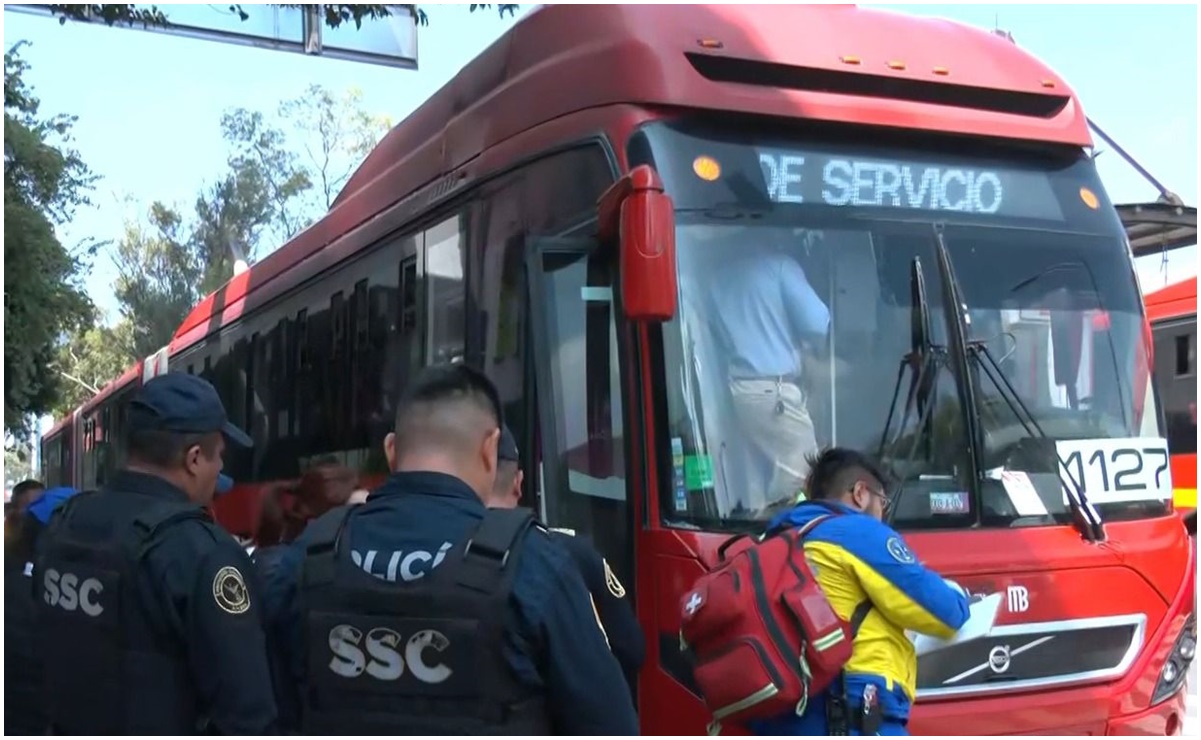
(818,315)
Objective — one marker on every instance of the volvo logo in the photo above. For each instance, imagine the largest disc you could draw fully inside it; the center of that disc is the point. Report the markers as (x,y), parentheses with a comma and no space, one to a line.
(998,659)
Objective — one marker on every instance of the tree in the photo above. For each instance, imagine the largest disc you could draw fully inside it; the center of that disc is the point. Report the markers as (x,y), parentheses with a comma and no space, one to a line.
(90,358)
(302,155)
(335,133)
(261,153)
(232,215)
(44,180)
(159,278)
(170,261)
(18,463)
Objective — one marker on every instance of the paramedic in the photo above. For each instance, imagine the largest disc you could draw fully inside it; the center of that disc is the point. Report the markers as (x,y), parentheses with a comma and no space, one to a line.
(874,581)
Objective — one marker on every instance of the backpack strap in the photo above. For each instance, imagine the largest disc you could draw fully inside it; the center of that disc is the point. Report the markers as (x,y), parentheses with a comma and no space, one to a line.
(488,554)
(812,524)
(865,606)
(858,616)
(322,536)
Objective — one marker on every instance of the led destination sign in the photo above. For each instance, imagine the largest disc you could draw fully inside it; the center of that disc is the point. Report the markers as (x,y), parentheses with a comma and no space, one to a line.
(841,180)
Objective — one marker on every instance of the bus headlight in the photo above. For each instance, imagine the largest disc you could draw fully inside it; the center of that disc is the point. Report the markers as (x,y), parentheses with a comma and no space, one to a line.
(1175,669)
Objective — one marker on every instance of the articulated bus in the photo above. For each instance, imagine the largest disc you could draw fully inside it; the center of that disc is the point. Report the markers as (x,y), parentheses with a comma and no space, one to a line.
(1172,312)
(560,215)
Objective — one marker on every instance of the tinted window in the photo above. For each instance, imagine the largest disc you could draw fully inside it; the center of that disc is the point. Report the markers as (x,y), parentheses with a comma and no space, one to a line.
(1175,376)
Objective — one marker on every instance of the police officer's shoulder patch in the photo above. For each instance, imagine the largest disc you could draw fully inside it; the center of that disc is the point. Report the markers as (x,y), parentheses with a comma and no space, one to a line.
(615,587)
(900,551)
(230,592)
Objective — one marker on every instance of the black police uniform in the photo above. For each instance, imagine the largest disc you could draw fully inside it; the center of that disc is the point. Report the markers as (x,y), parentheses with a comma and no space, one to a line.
(608,595)
(24,711)
(615,611)
(146,623)
(422,612)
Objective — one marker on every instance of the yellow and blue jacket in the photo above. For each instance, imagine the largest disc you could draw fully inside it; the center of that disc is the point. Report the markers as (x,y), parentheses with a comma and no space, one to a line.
(858,558)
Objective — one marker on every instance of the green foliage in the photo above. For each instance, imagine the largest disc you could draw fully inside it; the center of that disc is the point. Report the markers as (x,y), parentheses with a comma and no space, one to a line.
(336,134)
(159,277)
(89,358)
(282,172)
(44,180)
(261,155)
(18,463)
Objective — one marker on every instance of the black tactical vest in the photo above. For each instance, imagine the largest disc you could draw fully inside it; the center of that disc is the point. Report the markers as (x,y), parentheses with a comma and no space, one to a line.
(417,658)
(109,666)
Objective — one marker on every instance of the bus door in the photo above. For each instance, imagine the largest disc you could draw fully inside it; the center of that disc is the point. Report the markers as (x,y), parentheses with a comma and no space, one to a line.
(581,482)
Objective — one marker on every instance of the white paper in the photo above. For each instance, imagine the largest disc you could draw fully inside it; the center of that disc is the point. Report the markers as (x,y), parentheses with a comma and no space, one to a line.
(1021,492)
(982,615)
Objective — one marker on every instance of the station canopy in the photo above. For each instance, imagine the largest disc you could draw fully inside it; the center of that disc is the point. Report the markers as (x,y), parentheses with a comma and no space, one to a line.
(1158,227)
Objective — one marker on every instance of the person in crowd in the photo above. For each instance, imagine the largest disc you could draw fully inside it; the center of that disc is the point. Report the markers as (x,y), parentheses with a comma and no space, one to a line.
(146,621)
(608,594)
(287,508)
(24,704)
(421,611)
(874,581)
(22,494)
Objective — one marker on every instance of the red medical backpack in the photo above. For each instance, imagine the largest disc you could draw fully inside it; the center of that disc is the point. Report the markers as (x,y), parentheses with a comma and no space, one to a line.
(763,635)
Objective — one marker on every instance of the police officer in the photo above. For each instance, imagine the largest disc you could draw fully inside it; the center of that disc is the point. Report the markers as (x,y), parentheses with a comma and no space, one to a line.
(873,581)
(608,595)
(421,611)
(146,622)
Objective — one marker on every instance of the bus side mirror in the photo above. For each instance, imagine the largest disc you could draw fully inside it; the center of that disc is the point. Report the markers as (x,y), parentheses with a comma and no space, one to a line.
(641,218)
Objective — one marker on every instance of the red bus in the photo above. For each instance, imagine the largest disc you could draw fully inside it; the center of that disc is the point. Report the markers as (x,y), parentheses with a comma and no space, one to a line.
(1172,312)
(559,215)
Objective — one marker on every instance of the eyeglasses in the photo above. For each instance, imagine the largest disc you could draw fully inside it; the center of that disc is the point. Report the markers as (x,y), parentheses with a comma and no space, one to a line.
(885,499)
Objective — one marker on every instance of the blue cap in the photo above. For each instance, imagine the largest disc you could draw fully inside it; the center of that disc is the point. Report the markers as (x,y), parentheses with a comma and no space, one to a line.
(224,483)
(506,449)
(43,506)
(183,403)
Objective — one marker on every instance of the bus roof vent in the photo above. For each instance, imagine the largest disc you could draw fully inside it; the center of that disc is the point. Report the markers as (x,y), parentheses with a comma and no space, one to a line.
(813,79)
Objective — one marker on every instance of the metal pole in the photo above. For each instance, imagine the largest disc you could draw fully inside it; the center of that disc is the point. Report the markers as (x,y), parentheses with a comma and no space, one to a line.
(1165,195)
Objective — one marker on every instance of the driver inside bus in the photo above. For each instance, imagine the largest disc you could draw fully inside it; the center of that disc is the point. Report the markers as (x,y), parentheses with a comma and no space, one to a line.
(766,312)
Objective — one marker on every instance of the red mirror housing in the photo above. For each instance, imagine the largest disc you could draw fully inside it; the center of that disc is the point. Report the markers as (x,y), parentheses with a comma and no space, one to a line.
(641,217)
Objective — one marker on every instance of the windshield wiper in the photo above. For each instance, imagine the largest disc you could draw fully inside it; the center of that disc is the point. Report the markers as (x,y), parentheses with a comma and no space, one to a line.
(1084,515)
(1088,518)
(924,360)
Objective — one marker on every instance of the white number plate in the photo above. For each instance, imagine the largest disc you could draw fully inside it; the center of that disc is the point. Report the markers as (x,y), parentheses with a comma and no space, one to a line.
(1119,470)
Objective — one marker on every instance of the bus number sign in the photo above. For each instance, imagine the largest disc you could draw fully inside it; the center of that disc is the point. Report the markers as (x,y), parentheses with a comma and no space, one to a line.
(1118,470)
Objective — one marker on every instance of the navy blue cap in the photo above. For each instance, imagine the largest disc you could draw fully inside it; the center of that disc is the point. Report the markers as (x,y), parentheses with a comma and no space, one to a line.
(182,403)
(507,447)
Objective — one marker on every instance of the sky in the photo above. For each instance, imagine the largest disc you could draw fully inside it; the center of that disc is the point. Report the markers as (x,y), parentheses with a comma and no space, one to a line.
(149,104)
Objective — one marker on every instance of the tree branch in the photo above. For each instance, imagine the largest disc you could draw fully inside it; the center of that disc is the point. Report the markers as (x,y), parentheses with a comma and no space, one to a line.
(79,382)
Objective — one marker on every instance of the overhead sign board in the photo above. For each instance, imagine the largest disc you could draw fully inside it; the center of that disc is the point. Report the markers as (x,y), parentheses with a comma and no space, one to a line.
(389,41)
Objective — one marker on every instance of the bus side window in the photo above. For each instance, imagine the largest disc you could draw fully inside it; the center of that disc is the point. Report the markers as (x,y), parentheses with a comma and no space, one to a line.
(446,289)
(1175,376)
